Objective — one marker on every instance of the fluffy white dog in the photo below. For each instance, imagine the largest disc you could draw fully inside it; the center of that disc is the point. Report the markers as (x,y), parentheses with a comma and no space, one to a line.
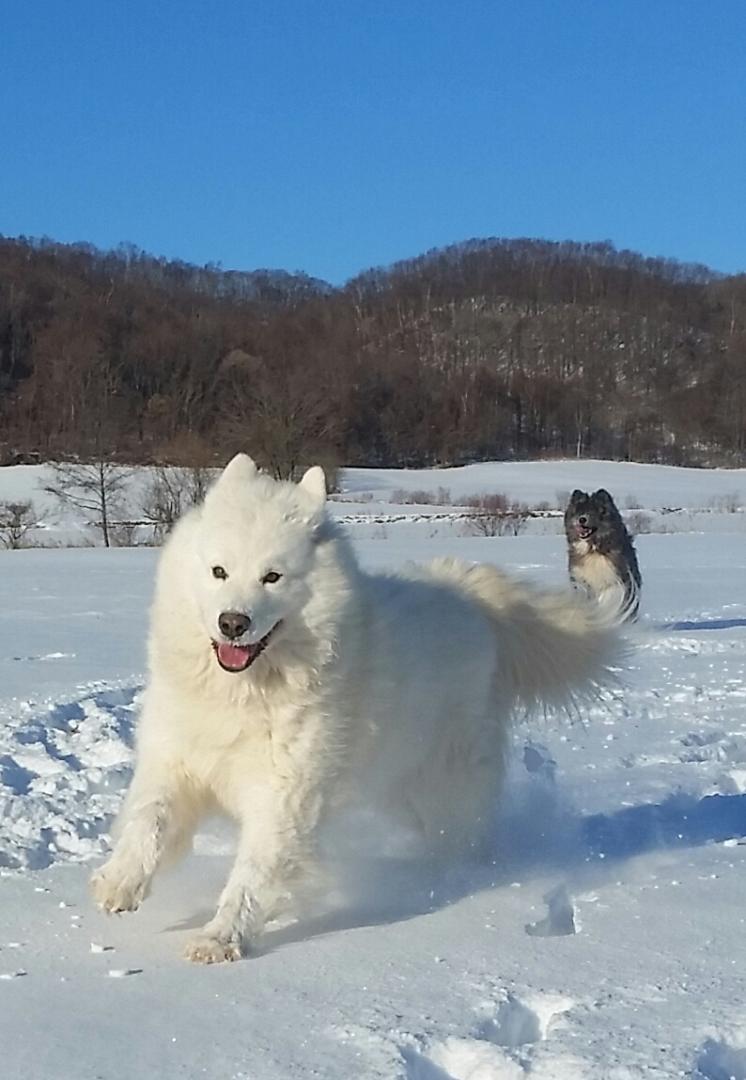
(284,680)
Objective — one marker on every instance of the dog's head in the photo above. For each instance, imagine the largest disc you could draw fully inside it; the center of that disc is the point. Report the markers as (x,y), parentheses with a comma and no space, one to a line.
(589,515)
(253,544)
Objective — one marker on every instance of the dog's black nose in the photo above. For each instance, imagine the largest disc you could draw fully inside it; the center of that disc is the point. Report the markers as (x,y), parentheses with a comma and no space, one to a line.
(232,624)
(582,520)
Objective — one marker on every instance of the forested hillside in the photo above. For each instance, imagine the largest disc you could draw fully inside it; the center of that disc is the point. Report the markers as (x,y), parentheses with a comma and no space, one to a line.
(487,349)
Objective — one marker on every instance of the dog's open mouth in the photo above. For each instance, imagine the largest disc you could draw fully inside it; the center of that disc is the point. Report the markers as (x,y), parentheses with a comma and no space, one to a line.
(240,657)
(584,532)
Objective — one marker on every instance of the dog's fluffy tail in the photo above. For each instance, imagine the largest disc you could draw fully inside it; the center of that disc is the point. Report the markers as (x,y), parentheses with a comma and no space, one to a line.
(555,648)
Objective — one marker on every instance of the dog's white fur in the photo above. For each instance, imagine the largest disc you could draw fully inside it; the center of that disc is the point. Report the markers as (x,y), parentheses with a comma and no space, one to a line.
(596,576)
(396,687)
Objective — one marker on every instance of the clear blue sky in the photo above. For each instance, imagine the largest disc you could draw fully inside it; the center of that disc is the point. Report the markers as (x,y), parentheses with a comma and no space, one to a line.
(334,135)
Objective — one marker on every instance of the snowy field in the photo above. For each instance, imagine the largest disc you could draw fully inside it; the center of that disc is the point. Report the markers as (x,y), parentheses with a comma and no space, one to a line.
(604,940)
(380,503)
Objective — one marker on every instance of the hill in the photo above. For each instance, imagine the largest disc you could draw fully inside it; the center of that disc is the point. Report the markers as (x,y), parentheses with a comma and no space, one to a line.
(493,348)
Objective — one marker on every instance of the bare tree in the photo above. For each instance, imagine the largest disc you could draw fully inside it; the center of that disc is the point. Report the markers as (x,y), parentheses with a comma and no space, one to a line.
(95,488)
(16,521)
(286,421)
(170,491)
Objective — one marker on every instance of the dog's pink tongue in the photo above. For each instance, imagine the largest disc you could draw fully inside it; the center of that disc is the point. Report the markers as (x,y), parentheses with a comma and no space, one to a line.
(235,657)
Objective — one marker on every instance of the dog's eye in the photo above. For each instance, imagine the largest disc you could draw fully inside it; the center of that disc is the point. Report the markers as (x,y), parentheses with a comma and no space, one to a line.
(271,578)
(219,573)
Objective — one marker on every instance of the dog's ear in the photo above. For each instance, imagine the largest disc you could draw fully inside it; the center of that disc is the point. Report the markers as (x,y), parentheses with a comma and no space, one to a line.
(314,482)
(577,495)
(239,470)
(603,496)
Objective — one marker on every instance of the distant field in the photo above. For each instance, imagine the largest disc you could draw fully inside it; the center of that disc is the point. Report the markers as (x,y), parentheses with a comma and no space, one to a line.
(373,502)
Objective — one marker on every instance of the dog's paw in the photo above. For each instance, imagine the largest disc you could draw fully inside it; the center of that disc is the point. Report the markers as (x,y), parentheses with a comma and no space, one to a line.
(206,949)
(114,890)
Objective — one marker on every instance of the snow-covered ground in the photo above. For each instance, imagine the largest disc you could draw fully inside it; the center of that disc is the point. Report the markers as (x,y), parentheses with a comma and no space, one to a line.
(380,501)
(604,941)
(535,482)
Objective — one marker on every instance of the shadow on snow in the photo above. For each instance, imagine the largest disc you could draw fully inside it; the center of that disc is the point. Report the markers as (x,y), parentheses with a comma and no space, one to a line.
(380,891)
(704,624)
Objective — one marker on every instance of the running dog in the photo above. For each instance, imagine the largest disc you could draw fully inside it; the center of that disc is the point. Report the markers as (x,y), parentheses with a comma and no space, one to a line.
(287,683)
(601,554)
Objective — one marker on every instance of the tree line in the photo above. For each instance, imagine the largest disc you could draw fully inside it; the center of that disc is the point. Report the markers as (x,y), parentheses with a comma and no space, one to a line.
(487,349)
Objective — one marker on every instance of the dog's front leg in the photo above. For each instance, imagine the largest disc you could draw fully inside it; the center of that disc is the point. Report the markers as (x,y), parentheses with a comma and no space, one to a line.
(269,853)
(147,829)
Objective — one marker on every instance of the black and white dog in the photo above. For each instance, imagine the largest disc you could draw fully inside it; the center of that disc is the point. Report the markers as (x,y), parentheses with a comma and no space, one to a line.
(601,555)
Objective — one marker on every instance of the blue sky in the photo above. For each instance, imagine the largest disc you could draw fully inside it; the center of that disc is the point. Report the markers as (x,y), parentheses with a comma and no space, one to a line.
(335,135)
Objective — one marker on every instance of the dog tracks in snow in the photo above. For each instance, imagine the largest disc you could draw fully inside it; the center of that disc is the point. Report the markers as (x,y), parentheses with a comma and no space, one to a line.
(503,1044)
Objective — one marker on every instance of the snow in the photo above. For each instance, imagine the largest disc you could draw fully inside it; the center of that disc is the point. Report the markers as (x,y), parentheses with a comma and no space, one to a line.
(605,939)
(533,482)
(681,499)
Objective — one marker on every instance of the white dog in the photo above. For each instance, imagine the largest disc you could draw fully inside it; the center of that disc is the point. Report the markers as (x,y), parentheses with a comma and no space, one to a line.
(284,680)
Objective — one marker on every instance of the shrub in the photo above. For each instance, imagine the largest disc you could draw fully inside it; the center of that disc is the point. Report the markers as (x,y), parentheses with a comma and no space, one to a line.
(170,492)
(123,533)
(495,515)
(639,523)
(17,519)
(411,498)
(729,503)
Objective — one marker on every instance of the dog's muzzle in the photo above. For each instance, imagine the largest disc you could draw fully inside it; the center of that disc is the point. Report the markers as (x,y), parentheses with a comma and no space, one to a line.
(235,658)
(584,532)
